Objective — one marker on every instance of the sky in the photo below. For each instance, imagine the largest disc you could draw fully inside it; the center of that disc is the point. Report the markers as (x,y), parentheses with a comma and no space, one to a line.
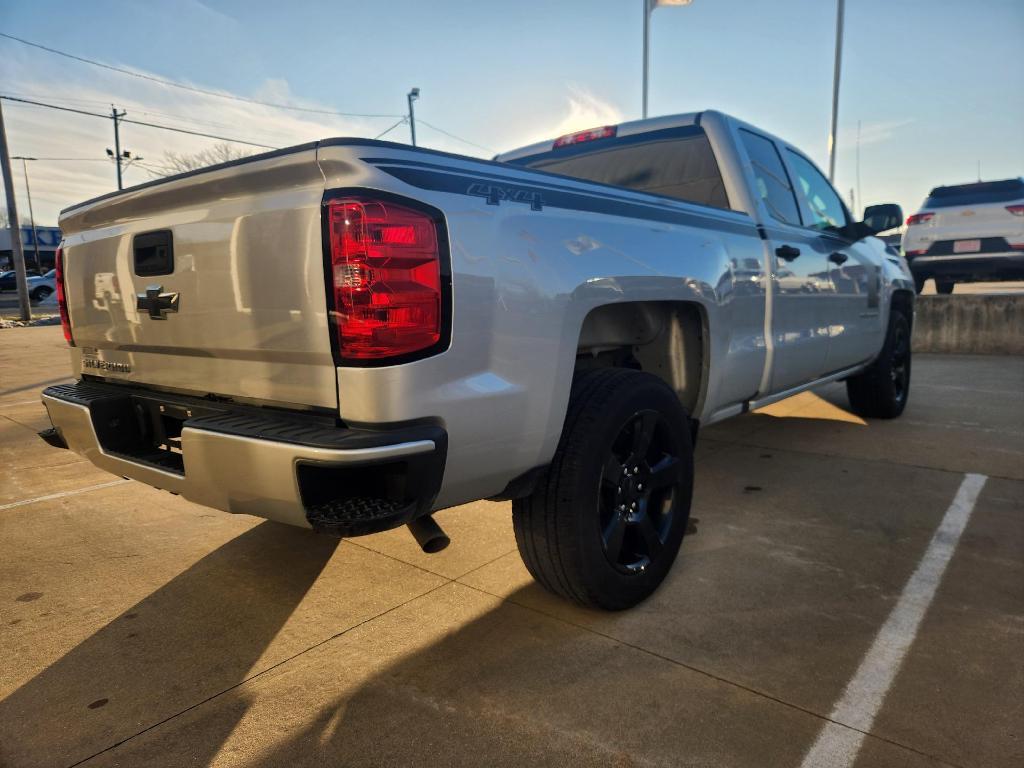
(934,85)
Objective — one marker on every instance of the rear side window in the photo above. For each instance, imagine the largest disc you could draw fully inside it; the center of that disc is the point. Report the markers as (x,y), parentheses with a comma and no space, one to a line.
(1004,191)
(770,177)
(683,166)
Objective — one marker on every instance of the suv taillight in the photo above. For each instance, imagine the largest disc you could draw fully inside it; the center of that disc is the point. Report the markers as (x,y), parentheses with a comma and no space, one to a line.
(1016,210)
(62,299)
(919,218)
(385,280)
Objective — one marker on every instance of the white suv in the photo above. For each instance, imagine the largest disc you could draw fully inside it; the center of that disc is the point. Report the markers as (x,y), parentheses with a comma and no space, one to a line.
(968,233)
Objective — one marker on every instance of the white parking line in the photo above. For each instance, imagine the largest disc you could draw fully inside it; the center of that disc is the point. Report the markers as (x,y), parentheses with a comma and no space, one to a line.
(61,495)
(839,741)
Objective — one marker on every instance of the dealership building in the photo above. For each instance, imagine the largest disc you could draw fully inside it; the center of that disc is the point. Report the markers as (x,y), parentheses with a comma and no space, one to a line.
(44,240)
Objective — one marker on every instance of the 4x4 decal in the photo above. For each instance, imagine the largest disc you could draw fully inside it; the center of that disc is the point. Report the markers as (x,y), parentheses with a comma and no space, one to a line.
(495,193)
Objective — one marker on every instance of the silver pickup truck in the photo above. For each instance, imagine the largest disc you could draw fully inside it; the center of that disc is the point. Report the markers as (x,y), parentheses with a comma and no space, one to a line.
(349,335)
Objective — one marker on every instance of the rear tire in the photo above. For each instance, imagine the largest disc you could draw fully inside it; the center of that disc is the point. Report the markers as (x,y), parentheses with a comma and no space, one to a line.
(605,522)
(945,287)
(882,390)
(919,284)
(40,293)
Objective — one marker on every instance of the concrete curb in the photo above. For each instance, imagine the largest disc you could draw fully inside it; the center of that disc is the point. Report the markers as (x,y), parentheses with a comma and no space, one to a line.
(968,324)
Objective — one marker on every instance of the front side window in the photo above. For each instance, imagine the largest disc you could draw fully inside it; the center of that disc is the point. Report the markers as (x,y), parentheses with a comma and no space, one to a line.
(822,207)
(770,178)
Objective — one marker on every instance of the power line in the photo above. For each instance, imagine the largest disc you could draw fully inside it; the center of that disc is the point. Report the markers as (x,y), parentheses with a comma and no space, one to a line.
(137,122)
(451,135)
(223,138)
(198,133)
(389,130)
(231,96)
(105,102)
(182,86)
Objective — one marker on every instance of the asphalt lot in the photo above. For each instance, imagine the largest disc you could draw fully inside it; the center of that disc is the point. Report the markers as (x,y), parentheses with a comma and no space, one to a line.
(139,629)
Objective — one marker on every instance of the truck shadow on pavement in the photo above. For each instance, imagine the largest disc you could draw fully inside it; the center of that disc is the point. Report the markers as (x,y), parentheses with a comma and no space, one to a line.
(197,636)
(461,680)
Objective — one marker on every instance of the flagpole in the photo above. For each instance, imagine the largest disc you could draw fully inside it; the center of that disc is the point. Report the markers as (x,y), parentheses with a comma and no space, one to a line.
(647,47)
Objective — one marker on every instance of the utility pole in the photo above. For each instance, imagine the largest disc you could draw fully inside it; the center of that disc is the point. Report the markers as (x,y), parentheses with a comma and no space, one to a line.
(413,95)
(117,142)
(12,214)
(835,91)
(31,215)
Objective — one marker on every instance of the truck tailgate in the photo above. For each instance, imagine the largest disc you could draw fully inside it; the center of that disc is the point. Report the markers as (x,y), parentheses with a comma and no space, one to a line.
(238,308)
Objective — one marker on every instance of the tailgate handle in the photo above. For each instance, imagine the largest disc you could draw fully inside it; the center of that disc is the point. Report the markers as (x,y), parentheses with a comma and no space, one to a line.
(154,253)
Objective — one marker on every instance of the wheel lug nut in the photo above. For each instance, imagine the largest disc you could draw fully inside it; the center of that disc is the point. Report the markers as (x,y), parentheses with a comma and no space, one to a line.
(636,469)
(639,486)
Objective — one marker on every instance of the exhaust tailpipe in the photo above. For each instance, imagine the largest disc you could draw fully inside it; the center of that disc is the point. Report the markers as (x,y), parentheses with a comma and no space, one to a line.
(428,534)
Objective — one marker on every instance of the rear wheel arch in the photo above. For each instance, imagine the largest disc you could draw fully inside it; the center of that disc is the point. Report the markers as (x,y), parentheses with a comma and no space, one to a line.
(668,339)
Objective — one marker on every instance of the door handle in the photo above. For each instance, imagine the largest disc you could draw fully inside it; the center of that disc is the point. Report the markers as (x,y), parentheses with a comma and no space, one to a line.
(838,258)
(787,252)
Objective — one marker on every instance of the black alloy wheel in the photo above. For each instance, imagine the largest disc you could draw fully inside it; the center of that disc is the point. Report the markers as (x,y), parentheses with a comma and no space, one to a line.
(638,495)
(605,521)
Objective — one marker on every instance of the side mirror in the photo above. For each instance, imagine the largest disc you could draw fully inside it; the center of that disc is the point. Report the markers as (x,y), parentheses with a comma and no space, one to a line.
(881,218)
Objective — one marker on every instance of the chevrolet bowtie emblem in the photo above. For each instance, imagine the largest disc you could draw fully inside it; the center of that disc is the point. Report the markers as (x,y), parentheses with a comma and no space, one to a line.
(156,303)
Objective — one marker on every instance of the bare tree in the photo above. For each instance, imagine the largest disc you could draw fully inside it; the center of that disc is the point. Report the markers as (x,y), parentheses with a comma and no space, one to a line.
(173,162)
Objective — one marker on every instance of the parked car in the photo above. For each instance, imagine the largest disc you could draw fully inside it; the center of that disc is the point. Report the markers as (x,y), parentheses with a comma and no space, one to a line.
(41,286)
(367,332)
(968,233)
(7,280)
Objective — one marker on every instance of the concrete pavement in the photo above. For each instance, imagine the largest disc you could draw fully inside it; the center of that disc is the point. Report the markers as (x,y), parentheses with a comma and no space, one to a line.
(139,629)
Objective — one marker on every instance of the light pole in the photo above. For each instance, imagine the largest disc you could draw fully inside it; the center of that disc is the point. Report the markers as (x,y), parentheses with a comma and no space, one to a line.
(31,215)
(840,6)
(649,6)
(413,95)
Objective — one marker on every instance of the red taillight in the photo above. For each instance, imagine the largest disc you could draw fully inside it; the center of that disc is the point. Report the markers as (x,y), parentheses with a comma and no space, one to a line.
(569,139)
(386,280)
(919,218)
(1016,210)
(62,299)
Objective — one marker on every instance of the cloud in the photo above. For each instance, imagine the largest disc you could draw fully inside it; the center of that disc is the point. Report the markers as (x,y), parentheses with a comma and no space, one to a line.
(582,109)
(585,110)
(47,133)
